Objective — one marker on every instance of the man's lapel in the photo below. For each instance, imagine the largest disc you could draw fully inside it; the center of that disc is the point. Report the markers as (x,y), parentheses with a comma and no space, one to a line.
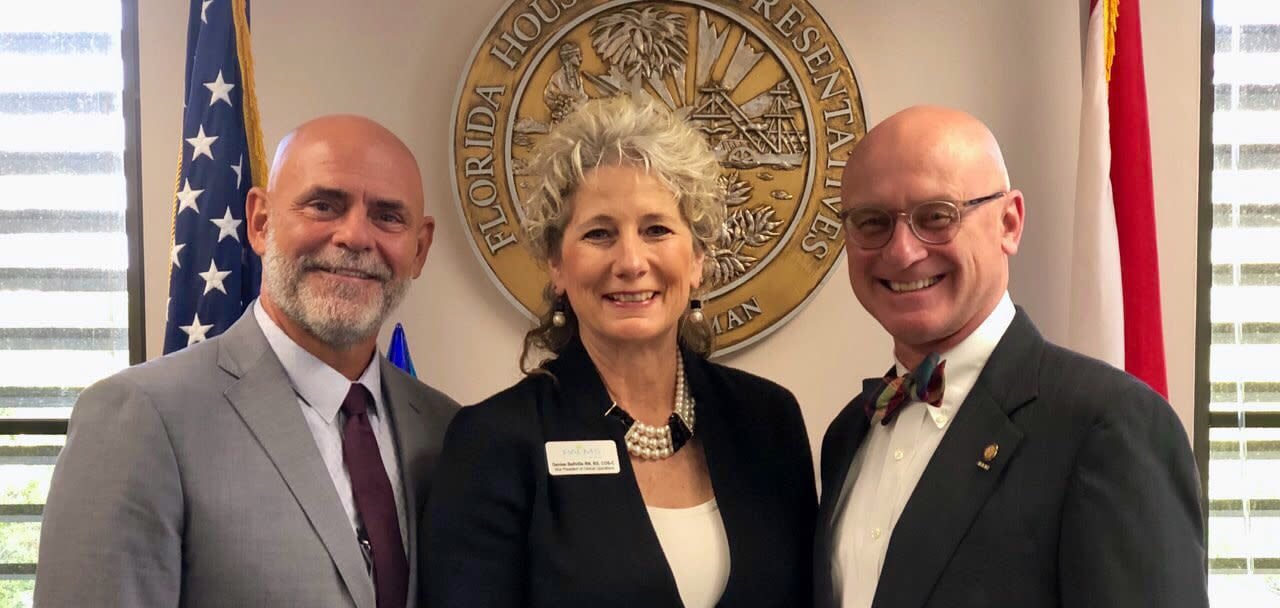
(836,482)
(844,437)
(407,426)
(964,471)
(265,401)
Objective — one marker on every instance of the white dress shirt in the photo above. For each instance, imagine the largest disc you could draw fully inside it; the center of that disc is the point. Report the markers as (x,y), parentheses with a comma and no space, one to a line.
(891,459)
(697,549)
(320,390)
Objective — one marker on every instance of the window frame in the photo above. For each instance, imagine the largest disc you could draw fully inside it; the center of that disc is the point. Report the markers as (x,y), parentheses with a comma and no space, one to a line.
(131,100)
(1204,264)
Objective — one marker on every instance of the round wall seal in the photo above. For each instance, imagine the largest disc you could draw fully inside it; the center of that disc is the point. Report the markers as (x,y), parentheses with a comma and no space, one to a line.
(765,80)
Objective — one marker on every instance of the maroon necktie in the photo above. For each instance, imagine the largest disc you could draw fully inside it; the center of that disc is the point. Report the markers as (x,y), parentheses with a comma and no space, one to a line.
(375,501)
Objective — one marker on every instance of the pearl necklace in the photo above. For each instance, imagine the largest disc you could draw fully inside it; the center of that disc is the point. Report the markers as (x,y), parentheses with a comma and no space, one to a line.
(659,442)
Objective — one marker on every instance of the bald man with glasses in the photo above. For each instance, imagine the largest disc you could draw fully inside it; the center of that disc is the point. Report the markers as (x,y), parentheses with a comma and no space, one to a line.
(989,467)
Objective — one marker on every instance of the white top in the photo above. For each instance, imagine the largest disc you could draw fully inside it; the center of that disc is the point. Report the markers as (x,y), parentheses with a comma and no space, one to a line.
(697,550)
(891,459)
(320,390)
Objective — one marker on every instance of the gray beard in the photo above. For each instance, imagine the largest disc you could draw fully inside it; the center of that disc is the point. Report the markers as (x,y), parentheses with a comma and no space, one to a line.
(337,315)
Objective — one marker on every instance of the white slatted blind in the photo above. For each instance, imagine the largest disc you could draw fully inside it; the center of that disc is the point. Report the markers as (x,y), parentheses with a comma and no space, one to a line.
(63,250)
(1244,359)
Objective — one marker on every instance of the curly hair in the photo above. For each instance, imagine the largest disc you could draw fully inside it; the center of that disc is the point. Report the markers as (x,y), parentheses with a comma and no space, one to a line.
(618,131)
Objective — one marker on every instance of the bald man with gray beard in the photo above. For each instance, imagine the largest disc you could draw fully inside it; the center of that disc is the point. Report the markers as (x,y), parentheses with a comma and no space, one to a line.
(284,462)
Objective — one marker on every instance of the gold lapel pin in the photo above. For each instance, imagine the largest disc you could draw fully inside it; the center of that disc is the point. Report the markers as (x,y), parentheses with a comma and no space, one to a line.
(988,454)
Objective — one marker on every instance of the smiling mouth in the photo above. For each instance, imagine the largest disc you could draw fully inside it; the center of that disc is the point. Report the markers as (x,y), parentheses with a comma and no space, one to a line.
(350,273)
(910,286)
(631,297)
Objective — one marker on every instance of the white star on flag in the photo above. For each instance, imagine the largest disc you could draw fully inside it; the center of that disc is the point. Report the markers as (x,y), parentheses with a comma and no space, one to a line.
(227,226)
(195,332)
(187,198)
(173,254)
(220,89)
(204,11)
(203,145)
(213,279)
(238,168)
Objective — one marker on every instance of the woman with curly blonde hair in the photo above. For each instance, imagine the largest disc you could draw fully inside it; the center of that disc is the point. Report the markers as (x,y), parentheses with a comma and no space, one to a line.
(625,469)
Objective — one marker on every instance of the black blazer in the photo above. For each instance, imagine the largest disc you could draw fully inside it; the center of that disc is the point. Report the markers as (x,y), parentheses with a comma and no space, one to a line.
(1091,500)
(501,532)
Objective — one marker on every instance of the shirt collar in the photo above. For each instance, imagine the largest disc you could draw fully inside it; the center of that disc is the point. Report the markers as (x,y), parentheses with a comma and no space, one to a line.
(321,387)
(966,360)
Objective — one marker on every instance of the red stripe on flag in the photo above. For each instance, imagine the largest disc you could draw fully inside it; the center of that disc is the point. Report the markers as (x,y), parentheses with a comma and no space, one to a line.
(1135,203)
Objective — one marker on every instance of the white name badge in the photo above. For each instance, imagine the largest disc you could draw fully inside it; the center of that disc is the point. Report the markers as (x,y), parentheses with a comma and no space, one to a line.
(582,458)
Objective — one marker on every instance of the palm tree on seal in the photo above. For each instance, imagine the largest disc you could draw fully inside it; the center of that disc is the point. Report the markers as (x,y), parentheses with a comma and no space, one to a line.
(647,42)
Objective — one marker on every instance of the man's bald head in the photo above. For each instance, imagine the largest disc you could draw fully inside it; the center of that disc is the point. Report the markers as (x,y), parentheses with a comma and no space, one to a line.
(345,135)
(933,136)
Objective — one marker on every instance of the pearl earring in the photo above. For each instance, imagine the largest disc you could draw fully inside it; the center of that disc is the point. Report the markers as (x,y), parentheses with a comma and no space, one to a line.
(558,318)
(695,310)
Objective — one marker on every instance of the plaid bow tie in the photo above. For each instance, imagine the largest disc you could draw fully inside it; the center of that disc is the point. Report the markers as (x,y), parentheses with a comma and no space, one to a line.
(924,383)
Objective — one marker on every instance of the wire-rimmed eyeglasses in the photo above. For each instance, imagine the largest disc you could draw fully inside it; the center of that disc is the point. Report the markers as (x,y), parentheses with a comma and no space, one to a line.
(933,222)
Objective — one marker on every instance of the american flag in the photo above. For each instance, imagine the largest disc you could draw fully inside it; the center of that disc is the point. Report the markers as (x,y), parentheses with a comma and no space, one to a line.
(213,273)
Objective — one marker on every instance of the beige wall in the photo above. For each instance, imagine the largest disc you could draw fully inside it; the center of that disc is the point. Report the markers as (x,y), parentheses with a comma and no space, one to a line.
(1014,63)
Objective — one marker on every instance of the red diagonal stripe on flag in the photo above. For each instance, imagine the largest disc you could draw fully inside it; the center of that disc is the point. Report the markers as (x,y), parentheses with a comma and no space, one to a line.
(1135,203)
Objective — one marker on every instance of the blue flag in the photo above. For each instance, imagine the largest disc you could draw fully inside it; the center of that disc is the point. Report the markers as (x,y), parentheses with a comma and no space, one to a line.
(213,273)
(398,353)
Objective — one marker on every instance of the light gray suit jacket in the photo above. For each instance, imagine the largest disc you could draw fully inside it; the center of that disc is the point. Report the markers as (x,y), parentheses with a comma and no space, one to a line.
(193,480)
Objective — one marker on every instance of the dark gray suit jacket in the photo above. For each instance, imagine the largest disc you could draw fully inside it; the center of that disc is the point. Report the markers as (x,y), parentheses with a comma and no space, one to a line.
(193,480)
(1092,499)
